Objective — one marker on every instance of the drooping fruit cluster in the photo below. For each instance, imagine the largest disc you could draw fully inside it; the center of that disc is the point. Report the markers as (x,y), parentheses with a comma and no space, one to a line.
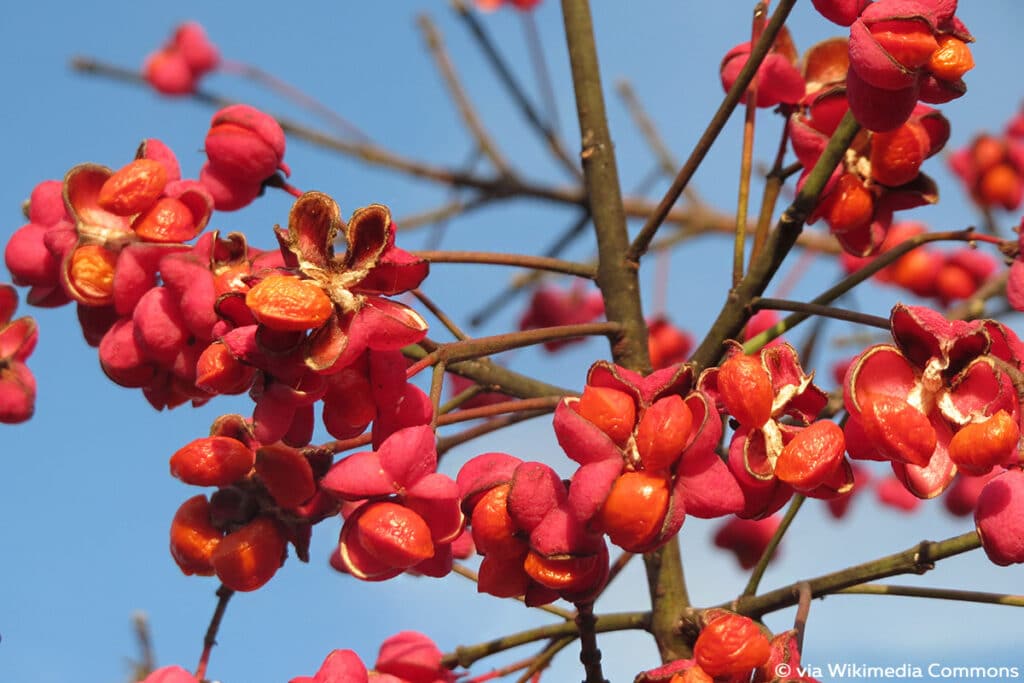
(901,51)
(645,446)
(267,496)
(778,447)
(406,516)
(523,524)
(880,173)
(940,398)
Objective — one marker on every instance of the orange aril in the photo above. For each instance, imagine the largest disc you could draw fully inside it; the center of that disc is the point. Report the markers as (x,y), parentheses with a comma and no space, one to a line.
(731,645)
(896,156)
(286,303)
(849,206)
(133,188)
(92,274)
(492,527)
(951,60)
(662,433)
(746,390)
(910,42)
(980,446)
(246,559)
(812,456)
(612,411)
(898,430)
(633,512)
(569,574)
(193,537)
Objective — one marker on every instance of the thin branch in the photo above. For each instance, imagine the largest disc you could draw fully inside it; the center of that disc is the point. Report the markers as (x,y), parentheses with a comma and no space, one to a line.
(717,123)
(773,544)
(485,346)
(540,68)
(697,222)
(553,265)
(210,639)
(458,94)
(855,278)
(527,408)
(936,593)
(431,306)
(733,315)
(258,75)
(446,443)
(455,207)
(802,612)
(485,372)
(666,161)
(590,655)
(507,79)
(747,155)
(763,303)
(467,573)
(543,659)
(518,284)
(917,559)
(466,655)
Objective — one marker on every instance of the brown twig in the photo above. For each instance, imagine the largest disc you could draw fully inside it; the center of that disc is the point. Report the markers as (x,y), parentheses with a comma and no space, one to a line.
(715,126)
(517,93)
(458,95)
(590,655)
(553,265)
(210,639)
(918,559)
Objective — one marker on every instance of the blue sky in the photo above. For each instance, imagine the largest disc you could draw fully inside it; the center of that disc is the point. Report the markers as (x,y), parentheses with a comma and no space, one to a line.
(85,495)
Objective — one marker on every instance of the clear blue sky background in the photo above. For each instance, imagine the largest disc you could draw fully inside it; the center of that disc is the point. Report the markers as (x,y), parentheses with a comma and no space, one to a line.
(85,496)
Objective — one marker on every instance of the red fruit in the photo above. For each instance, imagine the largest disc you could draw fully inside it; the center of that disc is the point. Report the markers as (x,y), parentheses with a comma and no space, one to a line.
(634,510)
(565,574)
(133,188)
(193,537)
(169,73)
(999,518)
(980,446)
(246,559)
(394,534)
(812,457)
(494,532)
(731,645)
(746,390)
(212,461)
(612,411)
(663,433)
(898,430)
(286,474)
